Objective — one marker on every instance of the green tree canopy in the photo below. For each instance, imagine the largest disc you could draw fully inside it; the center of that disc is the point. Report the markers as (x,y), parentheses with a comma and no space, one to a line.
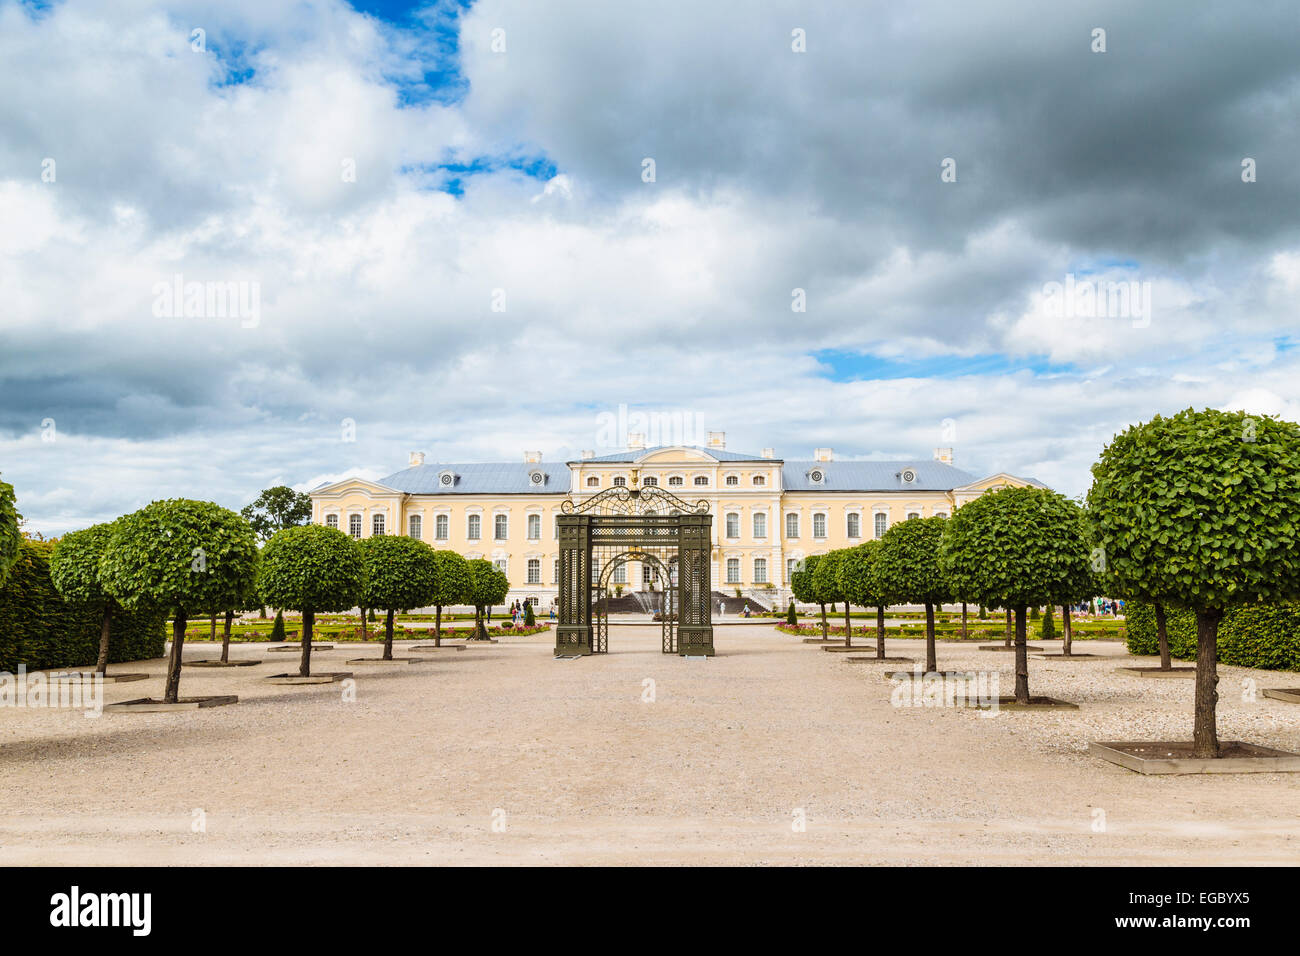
(311,568)
(9,533)
(857,577)
(1201,510)
(488,586)
(451,585)
(277,508)
(399,573)
(74,569)
(190,556)
(801,581)
(826,577)
(907,571)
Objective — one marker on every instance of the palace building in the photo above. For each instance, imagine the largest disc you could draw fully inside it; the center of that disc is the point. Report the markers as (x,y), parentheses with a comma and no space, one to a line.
(768,512)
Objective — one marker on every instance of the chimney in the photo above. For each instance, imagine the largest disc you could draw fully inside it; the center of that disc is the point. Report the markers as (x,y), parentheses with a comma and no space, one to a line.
(532,457)
(635,441)
(769,453)
(944,455)
(416,459)
(718,440)
(587,453)
(823,454)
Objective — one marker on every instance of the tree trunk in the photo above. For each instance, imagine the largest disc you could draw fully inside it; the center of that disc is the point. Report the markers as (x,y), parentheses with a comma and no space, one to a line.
(1009,632)
(1022,658)
(308,619)
(480,632)
(212,627)
(1162,637)
(437,626)
(388,635)
(880,631)
(848,626)
(930,664)
(171,693)
(365,634)
(1065,630)
(225,638)
(963,619)
(1205,735)
(101,663)
(825,628)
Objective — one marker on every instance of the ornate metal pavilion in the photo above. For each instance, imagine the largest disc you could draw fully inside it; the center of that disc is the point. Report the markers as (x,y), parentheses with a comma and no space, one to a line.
(667,536)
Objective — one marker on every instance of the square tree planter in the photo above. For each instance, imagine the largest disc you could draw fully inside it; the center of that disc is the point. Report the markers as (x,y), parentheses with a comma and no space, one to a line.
(297,648)
(148,705)
(62,676)
(221,663)
(1174,672)
(1289,694)
(391,660)
(435,647)
(1160,756)
(1002,647)
(873,659)
(321,678)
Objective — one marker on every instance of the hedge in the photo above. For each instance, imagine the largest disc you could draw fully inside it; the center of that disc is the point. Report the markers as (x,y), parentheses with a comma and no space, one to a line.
(40,629)
(1264,636)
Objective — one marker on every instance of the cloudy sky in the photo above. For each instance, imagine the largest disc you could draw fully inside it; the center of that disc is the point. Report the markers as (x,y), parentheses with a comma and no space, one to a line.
(446,213)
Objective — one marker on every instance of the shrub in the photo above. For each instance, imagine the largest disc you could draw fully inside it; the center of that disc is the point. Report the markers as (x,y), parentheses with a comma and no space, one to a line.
(1049,625)
(40,629)
(1265,636)
(529,619)
(791,617)
(277,629)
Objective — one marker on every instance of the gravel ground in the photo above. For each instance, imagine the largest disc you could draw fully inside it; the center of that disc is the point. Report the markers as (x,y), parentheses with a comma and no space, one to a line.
(499,755)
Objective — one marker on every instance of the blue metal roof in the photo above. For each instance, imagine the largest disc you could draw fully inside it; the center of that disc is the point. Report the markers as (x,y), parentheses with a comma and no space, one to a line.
(502,478)
(718,453)
(873,476)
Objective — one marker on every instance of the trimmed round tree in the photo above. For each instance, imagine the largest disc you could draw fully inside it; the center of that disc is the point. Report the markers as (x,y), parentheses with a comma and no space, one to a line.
(488,586)
(74,569)
(858,585)
(1016,548)
(803,584)
(451,585)
(311,568)
(9,534)
(181,554)
(826,581)
(1203,510)
(399,573)
(908,571)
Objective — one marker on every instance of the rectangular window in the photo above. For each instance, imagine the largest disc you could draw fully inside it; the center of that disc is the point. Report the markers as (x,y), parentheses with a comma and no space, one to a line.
(377,524)
(441,527)
(331,521)
(415,526)
(534,571)
(620,574)
(819,525)
(354,525)
(502,565)
(556,579)
(733,526)
(854,526)
(882,523)
(760,525)
(473,527)
(760,570)
(534,527)
(500,525)
(789,568)
(733,570)
(792,526)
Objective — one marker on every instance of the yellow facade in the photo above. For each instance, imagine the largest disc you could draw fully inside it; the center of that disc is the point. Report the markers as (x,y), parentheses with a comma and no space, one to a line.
(767,513)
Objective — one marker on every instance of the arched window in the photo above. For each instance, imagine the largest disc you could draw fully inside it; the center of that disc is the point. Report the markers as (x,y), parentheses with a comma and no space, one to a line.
(500,527)
(593,481)
(675,481)
(733,570)
(620,481)
(759,481)
(941,514)
(354,525)
(377,524)
(913,514)
(792,526)
(620,574)
(853,526)
(733,479)
(819,525)
(534,527)
(701,481)
(882,523)
(650,481)
(760,524)
(534,571)
(441,527)
(760,570)
(331,521)
(733,525)
(473,527)
(789,568)
(414,526)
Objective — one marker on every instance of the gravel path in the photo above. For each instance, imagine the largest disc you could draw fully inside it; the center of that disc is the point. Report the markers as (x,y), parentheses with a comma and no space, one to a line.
(573,766)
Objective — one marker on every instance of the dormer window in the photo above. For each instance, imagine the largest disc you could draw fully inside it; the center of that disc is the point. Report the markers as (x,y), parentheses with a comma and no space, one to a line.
(816,476)
(536,478)
(446,480)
